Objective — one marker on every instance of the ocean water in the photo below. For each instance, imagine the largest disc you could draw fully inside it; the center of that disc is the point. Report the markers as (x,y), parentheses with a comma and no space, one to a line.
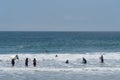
(72,46)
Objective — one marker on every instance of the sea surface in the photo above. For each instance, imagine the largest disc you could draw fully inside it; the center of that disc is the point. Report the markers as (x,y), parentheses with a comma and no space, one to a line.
(72,46)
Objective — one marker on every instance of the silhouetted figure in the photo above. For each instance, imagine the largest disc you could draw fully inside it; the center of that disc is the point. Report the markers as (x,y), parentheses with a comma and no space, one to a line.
(46,51)
(102,59)
(17,57)
(56,55)
(84,61)
(13,62)
(34,62)
(66,61)
(26,62)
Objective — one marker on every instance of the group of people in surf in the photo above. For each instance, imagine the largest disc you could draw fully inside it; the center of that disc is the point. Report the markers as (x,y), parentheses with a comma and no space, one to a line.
(26,61)
(84,61)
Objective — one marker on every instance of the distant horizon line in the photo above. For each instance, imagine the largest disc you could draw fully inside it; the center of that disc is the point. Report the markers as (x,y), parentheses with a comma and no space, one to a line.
(58,31)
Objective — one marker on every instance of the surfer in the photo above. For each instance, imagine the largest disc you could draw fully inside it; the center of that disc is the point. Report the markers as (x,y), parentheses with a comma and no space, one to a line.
(26,62)
(13,62)
(102,59)
(84,61)
(17,57)
(56,55)
(34,62)
(66,61)
(46,51)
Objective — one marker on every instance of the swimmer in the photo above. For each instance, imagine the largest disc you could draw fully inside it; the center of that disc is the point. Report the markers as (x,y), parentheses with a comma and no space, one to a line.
(56,55)
(26,62)
(46,51)
(17,57)
(102,59)
(66,61)
(84,61)
(34,62)
(13,62)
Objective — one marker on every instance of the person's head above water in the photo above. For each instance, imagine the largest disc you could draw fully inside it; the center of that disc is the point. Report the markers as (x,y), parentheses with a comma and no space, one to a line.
(56,55)
(67,61)
(84,61)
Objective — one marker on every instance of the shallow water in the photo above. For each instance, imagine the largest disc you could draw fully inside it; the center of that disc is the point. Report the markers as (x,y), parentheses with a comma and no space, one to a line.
(61,75)
(50,67)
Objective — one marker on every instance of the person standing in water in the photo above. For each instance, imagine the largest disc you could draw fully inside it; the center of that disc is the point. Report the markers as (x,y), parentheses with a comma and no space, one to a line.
(17,57)
(26,62)
(56,55)
(101,59)
(67,61)
(84,61)
(13,62)
(34,62)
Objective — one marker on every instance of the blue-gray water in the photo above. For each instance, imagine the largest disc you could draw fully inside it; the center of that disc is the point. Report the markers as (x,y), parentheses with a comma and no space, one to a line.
(59,42)
(67,45)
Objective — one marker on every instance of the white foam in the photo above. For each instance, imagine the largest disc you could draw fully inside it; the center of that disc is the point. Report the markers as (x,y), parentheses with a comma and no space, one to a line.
(50,61)
(62,57)
(90,69)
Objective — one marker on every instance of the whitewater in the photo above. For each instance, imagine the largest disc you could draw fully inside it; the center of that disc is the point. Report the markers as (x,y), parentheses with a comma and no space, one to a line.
(50,67)
(52,63)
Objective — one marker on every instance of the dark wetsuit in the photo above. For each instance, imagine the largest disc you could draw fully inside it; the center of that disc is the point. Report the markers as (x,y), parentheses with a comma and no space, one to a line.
(26,62)
(84,61)
(17,57)
(67,62)
(102,59)
(56,55)
(13,62)
(34,62)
